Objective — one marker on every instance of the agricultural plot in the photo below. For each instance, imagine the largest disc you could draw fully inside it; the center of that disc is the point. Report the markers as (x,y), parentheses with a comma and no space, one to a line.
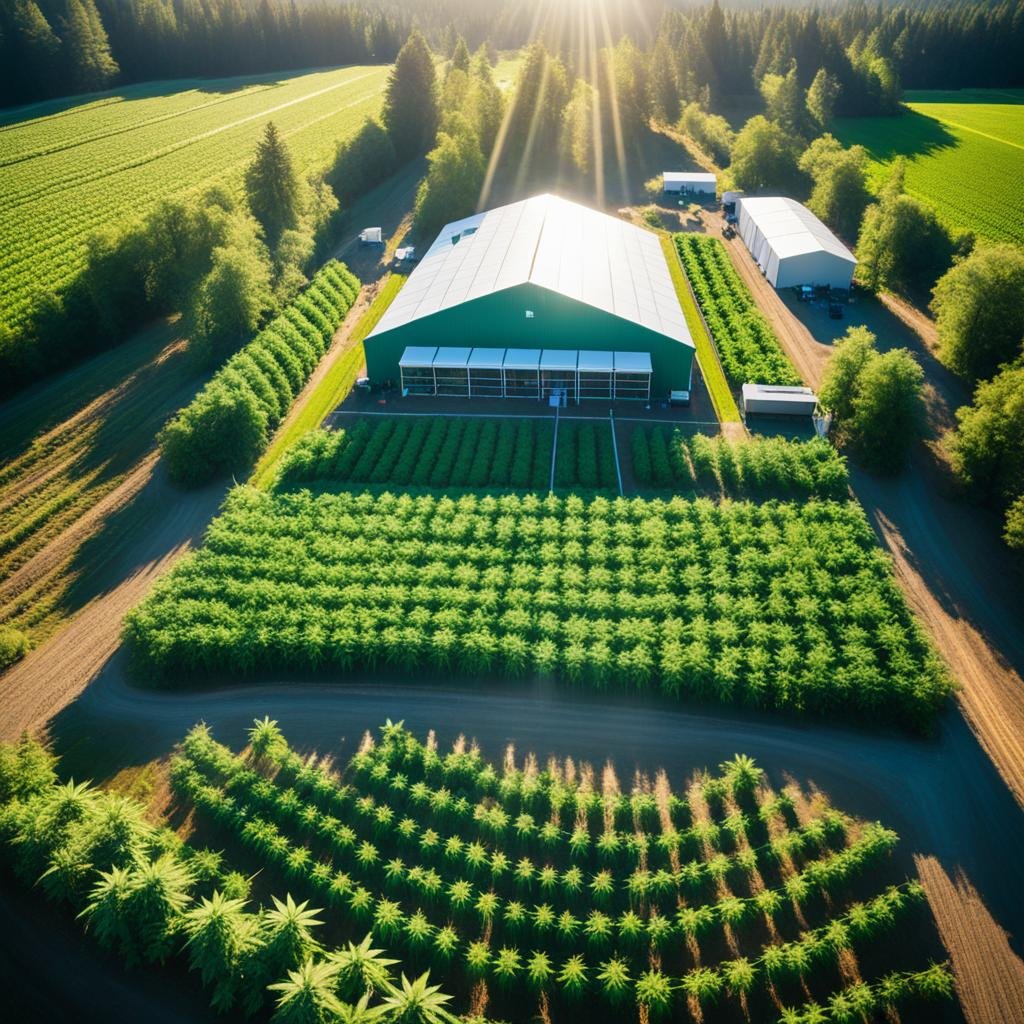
(523,888)
(783,606)
(67,174)
(454,453)
(228,424)
(758,467)
(746,343)
(146,896)
(964,153)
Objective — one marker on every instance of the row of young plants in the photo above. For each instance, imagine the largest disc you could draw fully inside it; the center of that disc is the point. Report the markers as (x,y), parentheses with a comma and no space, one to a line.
(770,605)
(228,424)
(276,803)
(746,343)
(147,896)
(426,451)
(585,457)
(493,881)
(755,467)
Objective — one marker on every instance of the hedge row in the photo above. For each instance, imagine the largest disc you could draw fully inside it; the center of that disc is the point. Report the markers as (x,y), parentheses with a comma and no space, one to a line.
(426,451)
(229,422)
(757,468)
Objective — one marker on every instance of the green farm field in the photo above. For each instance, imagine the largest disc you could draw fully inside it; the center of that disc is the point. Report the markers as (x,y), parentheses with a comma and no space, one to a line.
(965,155)
(68,169)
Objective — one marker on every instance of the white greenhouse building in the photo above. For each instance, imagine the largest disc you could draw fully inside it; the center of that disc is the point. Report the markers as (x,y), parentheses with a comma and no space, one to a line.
(790,245)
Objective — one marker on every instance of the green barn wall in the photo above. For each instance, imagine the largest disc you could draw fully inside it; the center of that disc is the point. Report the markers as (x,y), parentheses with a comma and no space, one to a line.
(498,320)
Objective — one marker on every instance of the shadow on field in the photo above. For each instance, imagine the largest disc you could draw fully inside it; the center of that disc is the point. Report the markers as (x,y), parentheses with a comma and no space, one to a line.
(908,134)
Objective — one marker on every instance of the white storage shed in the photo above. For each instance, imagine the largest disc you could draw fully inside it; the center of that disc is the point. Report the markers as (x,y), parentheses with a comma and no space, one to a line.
(688,181)
(790,245)
(778,400)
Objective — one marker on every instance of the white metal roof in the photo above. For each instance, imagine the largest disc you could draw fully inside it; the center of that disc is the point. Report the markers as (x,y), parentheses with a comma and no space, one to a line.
(452,356)
(417,355)
(778,392)
(688,177)
(522,359)
(553,243)
(558,359)
(596,362)
(633,362)
(791,229)
(487,359)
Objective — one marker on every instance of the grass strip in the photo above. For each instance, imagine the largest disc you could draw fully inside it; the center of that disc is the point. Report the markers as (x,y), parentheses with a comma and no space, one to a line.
(718,386)
(331,391)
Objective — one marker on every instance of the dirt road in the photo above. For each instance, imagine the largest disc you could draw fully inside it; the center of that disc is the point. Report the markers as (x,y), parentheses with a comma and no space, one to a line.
(161,523)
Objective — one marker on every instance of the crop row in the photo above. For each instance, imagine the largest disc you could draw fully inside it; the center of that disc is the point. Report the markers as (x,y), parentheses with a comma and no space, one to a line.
(757,467)
(456,921)
(785,606)
(146,896)
(228,423)
(435,452)
(52,202)
(746,344)
(585,458)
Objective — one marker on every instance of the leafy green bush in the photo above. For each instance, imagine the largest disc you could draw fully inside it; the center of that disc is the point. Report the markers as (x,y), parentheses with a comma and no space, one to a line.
(228,423)
(14,645)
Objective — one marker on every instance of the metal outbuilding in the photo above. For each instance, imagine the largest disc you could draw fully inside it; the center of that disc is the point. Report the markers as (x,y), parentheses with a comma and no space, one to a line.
(779,400)
(790,245)
(543,275)
(697,182)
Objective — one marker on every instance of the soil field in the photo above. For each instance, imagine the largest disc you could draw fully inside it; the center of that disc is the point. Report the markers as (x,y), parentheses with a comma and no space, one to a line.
(948,139)
(71,169)
(77,450)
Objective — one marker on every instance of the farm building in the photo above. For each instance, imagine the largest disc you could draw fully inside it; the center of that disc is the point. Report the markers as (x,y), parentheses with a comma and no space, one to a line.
(539,298)
(779,400)
(677,182)
(791,246)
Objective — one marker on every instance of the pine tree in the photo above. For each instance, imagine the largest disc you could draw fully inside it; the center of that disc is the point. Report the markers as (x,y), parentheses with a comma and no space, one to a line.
(86,48)
(410,101)
(272,187)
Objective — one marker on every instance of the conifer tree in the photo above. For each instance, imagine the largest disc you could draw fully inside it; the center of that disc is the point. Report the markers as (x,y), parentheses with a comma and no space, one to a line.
(272,186)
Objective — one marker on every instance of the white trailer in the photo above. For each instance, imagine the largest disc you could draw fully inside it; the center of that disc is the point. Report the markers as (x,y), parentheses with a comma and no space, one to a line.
(372,236)
(680,182)
(778,400)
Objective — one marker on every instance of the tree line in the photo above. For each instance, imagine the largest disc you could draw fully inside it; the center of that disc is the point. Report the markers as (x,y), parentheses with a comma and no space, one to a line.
(61,47)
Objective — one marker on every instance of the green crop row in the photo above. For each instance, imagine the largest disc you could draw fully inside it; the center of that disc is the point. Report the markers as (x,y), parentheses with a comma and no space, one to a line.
(327,836)
(774,605)
(228,423)
(746,343)
(419,451)
(756,467)
(146,896)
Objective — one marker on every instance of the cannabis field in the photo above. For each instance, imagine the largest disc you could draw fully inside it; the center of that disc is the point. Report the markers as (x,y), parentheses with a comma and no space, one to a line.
(745,340)
(964,156)
(775,605)
(77,169)
(523,889)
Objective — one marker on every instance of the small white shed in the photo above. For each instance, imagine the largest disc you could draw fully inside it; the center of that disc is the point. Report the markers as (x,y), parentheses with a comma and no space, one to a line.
(779,400)
(678,182)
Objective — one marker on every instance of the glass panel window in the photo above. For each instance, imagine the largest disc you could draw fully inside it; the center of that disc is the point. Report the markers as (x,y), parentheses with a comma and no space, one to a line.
(452,380)
(522,383)
(595,384)
(419,380)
